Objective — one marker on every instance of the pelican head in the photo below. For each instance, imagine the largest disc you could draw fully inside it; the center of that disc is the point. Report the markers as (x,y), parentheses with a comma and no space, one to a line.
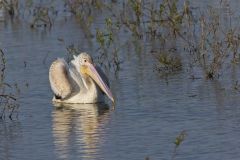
(87,69)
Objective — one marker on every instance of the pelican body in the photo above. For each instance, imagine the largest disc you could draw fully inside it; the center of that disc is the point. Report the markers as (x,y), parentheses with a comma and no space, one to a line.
(79,81)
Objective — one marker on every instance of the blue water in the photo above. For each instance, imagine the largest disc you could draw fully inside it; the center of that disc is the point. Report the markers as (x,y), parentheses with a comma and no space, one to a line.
(150,111)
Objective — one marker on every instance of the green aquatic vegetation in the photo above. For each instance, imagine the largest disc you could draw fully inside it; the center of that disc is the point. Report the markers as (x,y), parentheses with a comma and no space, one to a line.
(211,47)
(85,19)
(11,6)
(216,44)
(77,7)
(178,141)
(130,16)
(163,23)
(40,14)
(110,31)
(109,45)
(133,27)
(233,43)
(84,10)
(104,39)
(170,16)
(41,17)
(100,38)
(180,138)
(167,63)
(136,6)
(29,3)
(199,36)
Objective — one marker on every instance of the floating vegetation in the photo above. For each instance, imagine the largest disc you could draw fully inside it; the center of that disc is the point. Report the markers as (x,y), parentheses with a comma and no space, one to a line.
(82,7)
(168,63)
(178,141)
(180,138)
(41,17)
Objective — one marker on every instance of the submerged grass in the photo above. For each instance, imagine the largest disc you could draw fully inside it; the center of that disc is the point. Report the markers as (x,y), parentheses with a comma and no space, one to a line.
(167,63)
(199,37)
(41,17)
(8,93)
(178,141)
(172,23)
(11,6)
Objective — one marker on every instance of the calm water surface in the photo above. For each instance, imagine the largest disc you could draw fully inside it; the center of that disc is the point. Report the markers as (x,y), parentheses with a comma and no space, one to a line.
(150,111)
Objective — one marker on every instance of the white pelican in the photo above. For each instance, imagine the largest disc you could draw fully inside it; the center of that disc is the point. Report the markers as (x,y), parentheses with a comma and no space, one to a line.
(76,82)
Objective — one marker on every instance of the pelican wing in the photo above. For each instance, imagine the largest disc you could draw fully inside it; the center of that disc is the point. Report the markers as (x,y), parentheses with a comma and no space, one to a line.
(60,78)
(75,75)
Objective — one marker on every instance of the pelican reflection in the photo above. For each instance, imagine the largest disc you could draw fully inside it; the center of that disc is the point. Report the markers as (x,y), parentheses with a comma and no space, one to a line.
(79,129)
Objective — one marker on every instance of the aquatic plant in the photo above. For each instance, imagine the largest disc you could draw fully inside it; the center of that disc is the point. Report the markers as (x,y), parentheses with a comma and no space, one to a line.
(108,46)
(41,17)
(167,63)
(8,92)
(81,7)
(178,141)
(187,37)
(215,44)
(136,6)
(11,6)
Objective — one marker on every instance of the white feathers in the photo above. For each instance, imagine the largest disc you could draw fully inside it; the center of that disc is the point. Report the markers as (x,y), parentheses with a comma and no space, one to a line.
(59,78)
(76,62)
(70,85)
